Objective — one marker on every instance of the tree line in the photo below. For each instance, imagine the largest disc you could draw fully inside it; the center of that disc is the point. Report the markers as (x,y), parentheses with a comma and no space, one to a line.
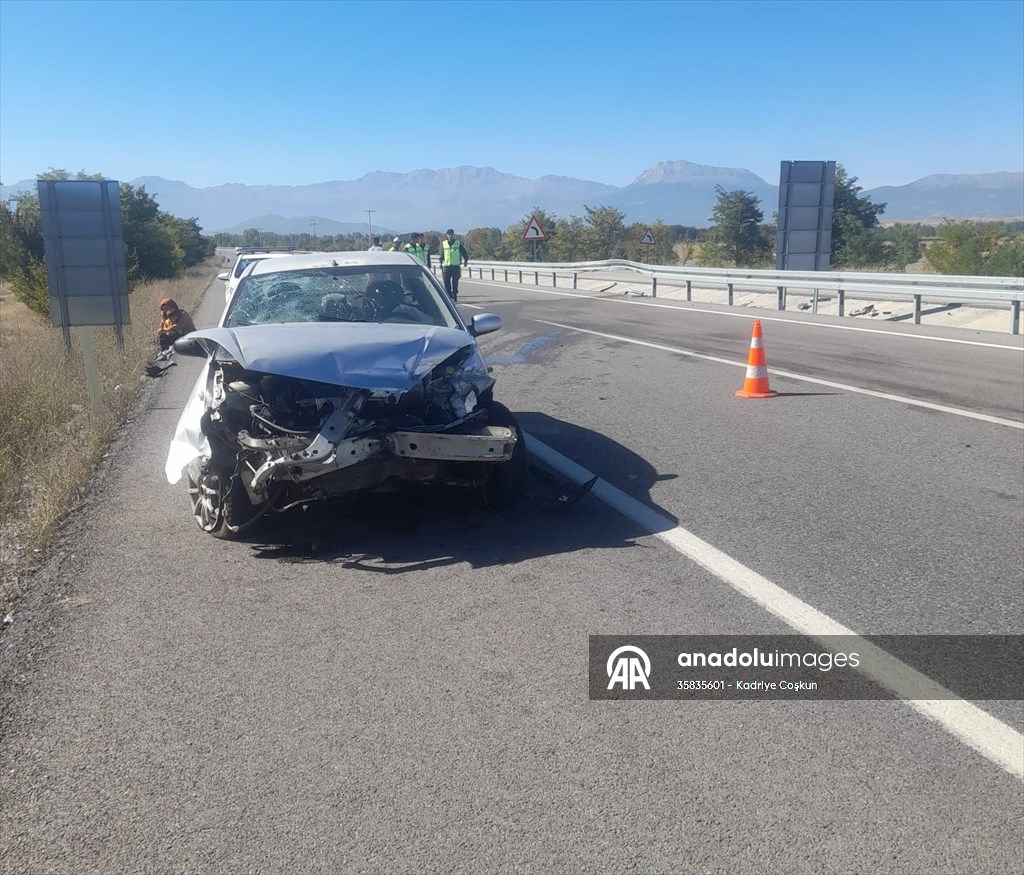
(602,234)
(157,244)
(859,242)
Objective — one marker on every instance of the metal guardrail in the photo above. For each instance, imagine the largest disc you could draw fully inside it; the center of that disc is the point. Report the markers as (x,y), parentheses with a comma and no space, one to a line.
(998,291)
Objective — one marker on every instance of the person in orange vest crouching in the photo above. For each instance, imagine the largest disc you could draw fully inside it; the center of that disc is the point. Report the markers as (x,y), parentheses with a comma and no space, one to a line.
(174,323)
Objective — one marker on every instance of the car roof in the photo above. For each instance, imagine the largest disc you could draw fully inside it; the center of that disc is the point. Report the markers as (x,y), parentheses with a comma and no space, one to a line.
(326,260)
(259,256)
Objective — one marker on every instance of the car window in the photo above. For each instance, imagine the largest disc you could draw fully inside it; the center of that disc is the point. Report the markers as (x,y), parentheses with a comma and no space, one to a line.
(243,263)
(344,294)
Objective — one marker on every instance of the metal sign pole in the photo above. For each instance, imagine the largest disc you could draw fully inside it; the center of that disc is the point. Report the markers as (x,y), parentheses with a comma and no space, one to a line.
(62,297)
(92,372)
(111,261)
(65,327)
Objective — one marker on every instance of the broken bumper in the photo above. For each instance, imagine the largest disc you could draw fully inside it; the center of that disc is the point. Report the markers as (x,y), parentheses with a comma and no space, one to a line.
(486,444)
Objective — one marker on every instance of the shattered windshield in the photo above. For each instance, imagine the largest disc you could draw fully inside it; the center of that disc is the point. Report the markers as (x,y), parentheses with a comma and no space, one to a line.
(342,294)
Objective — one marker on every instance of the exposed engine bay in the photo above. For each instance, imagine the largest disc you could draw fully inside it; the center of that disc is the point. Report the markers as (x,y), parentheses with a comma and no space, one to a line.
(277,441)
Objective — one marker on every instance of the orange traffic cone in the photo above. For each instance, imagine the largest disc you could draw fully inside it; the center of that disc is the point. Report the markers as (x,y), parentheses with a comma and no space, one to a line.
(756,383)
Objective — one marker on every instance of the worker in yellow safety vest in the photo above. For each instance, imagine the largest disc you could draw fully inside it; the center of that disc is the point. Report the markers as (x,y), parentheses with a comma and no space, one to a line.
(453,255)
(418,248)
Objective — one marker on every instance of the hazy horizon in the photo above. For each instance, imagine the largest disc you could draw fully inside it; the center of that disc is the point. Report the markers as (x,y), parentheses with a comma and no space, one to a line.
(769,181)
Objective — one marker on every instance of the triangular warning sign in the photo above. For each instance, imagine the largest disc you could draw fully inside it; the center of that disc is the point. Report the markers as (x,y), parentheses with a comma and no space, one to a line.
(534,231)
(648,239)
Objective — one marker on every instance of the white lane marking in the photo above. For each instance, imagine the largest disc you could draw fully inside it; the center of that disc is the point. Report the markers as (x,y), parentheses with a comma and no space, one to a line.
(978,729)
(887,396)
(751,313)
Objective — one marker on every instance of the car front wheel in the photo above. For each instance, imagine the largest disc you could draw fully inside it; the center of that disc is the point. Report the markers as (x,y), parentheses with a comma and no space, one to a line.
(220,504)
(507,482)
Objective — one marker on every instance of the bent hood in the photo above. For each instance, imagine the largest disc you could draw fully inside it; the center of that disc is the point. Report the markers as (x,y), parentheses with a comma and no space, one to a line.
(372,356)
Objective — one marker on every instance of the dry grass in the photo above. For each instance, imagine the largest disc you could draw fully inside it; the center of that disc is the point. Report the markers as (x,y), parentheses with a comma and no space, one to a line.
(50,437)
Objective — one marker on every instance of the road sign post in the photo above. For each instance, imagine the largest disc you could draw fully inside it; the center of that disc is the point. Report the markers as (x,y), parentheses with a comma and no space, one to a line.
(534,233)
(646,241)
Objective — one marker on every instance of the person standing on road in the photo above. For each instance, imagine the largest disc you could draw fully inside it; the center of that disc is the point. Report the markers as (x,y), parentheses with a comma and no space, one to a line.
(375,246)
(453,255)
(396,245)
(419,249)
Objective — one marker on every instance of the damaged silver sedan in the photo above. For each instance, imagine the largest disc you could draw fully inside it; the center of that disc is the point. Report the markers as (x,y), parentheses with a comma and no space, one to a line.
(337,374)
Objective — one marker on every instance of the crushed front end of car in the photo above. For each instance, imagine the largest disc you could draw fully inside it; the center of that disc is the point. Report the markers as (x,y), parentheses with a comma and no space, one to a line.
(283,416)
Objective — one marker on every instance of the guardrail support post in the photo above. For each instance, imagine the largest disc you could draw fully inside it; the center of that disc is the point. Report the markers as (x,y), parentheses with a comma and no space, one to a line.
(728,287)
(520,277)
(654,287)
(917,309)
(492,274)
(554,280)
(689,290)
(780,295)
(574,281)
(1015,313)
(842,301)
(814,303)
(506,274)
(536,278)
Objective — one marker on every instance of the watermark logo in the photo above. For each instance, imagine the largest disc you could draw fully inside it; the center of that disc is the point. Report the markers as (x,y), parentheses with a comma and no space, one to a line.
(628,666)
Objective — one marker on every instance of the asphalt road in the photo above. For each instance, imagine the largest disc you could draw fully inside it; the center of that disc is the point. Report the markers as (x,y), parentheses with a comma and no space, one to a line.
(402,686)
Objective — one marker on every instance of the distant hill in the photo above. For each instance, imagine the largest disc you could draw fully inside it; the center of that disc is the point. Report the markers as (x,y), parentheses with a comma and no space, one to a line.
(978,196)
(462,197)
(682,193)
(677,192)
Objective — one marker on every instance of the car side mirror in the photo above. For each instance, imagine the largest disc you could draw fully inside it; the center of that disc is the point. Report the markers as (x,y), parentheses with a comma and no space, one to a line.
(223,277)
(189,346)
(484,323)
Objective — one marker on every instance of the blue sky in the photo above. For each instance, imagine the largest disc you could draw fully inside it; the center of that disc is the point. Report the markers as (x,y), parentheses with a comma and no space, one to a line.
(290,93)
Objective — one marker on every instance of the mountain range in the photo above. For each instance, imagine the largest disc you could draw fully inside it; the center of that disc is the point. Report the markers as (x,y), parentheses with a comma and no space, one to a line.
(676,192)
